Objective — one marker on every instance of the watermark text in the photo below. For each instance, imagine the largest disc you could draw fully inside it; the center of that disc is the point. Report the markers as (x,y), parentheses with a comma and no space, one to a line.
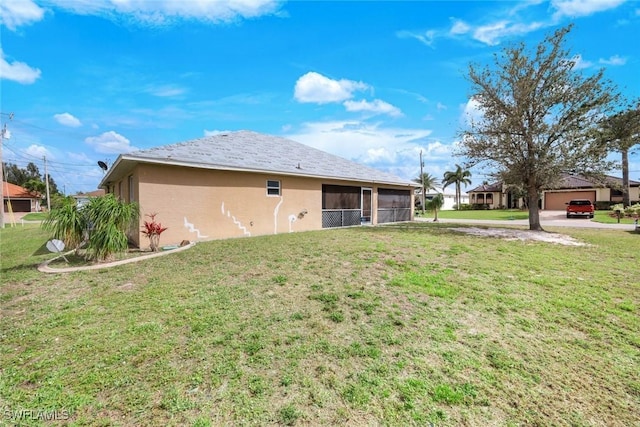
(36,414)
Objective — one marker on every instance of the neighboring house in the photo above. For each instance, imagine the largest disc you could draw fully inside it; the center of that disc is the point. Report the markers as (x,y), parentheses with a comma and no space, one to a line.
(580,187)
(494,196)
(570,187)
(83,198)
(449,198)
(21,199)
(247,184)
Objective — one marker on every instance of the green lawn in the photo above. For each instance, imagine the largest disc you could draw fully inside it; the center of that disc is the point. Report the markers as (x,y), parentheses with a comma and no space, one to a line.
(404,325)
(492,214)
(35,216)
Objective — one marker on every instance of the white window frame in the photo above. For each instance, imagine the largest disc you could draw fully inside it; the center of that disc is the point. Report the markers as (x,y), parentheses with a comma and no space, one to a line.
(132,195)
(271,187)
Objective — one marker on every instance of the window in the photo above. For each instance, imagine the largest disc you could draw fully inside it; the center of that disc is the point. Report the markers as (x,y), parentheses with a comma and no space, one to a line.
(340,197)
(273,188)
(131,194)
(390,198)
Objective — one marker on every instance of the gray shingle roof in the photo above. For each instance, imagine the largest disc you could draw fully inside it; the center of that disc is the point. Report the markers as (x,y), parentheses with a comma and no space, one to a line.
(494,187)
(251,151)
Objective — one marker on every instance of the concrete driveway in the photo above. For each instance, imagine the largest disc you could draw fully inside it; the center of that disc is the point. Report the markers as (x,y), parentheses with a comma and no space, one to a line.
(547,219)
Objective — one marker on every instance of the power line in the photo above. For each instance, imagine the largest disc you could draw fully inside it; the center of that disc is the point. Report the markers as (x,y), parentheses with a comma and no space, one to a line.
(21,153)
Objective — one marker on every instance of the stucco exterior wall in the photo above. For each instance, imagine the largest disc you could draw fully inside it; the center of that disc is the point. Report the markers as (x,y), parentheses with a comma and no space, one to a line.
(200,204)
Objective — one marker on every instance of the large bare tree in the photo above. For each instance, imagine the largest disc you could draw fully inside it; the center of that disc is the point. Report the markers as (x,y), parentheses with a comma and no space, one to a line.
(536,115)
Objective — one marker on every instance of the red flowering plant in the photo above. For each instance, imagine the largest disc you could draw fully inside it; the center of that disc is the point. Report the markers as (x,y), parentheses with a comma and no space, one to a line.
(153,230)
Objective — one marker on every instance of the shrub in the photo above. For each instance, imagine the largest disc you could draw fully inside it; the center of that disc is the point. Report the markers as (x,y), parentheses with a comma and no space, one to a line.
(153,230)
(67,223)
(110,219)
(603,205)
(103,223)
(480,206)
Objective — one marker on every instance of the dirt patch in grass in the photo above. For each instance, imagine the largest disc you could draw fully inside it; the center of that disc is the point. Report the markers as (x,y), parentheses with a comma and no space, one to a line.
(522,235)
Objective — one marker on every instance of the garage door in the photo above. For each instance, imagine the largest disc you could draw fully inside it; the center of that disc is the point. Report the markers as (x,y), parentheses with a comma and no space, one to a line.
(557,200)
(18,206)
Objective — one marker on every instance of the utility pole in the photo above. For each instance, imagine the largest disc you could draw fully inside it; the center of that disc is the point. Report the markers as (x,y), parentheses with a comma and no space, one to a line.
(4,134)
(46,179)
(4,131)
(422,182)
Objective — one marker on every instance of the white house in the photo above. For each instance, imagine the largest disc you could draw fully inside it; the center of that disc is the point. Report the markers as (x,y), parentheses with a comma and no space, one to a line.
(449,197)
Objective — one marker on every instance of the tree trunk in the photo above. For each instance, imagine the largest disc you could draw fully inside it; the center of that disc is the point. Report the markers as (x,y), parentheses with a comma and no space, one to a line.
(625,179)
(534,213)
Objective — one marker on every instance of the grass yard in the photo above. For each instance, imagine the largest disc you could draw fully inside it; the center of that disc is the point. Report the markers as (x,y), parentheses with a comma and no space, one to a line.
(490,214)
(36,216)
(393,326)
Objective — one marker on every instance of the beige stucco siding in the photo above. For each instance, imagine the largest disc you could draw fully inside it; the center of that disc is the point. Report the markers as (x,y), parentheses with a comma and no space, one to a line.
(202,204)
(199,204)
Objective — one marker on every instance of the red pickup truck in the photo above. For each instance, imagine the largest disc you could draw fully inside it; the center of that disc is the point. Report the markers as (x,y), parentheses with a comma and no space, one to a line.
(580,207)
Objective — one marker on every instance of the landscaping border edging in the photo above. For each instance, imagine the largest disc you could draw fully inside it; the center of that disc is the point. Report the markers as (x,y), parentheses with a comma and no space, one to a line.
(44,266)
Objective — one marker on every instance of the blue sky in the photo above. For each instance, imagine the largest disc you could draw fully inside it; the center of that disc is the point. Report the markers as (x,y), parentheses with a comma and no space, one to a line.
(374,82)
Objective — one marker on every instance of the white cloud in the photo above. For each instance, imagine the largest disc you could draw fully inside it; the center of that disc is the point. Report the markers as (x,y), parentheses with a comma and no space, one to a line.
(165,12)
(513,21)
(110,143)
(314,87)
(581,64)
(395,150)
(38,151)
(67,119)
(17,71)
(471,112)
(613,60)
(492,34)
(459,27)
(166,91)
(376,107)
(440,106)
(426,37)
(16,13)
(80,158)
(575,8)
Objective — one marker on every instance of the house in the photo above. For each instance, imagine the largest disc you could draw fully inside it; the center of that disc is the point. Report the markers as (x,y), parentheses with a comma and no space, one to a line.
(449,196)
(83,198)
(497,195)
(494,196)
(580,187)
(248,184)
(19,199)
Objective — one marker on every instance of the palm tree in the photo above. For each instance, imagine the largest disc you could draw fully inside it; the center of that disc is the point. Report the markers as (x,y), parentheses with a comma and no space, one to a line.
(458,177)
(435,204)
(622,131)
(428,182)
